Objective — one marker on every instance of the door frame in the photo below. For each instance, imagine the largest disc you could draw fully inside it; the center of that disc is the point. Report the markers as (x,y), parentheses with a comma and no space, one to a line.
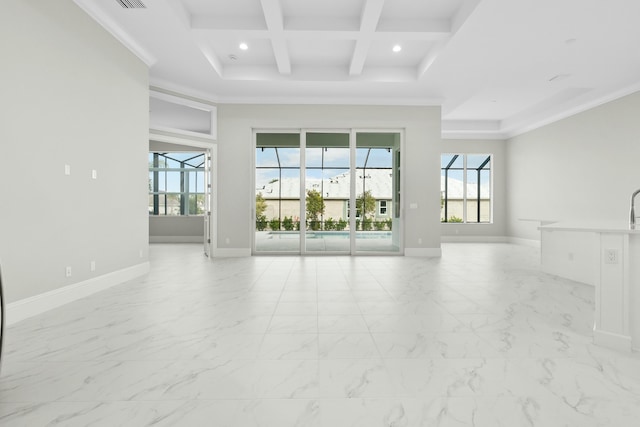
(352,132)
(210,148)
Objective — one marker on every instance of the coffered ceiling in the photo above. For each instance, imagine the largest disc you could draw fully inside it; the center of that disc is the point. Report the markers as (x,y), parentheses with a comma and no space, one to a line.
(497,67)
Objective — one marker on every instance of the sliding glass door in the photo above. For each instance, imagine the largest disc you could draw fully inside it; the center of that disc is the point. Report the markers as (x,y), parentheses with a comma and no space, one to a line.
(327,192)
(277,178)
(377,192)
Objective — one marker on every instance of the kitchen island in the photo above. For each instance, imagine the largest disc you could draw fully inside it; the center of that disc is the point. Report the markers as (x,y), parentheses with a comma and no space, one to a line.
(606,255)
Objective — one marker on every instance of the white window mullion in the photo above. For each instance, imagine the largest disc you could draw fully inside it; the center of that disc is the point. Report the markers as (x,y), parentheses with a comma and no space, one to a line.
(303,198)
(352,191)
(464,188)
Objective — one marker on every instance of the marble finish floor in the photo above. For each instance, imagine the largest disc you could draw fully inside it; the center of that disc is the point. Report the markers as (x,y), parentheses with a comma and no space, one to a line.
(479,337)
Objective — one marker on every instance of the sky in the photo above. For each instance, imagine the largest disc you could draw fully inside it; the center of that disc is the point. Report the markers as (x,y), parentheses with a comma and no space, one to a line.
(336,161)
(172,183)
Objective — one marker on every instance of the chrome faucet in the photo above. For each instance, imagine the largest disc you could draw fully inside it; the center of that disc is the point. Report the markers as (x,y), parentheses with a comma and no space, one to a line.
(632,213)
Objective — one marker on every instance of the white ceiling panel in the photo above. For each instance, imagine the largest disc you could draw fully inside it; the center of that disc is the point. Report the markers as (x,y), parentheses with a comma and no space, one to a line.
(420,9)
(223,7)
(381,53)
(320,52)
(322,9)
(259,52)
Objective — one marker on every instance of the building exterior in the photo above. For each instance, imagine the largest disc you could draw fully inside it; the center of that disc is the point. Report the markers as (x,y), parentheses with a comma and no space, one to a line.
(283,196)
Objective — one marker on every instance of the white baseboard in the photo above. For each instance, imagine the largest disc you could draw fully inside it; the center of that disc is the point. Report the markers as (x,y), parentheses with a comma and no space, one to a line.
(231,252)
(524,242)
(474,239)
(612,340)
(176,239)
(32,306)
(423,252)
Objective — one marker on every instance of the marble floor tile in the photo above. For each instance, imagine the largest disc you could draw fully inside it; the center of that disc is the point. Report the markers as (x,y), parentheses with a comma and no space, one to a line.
(293,325)
(332,308)
(434,345)
(296,309)
(353,378)
(341,324)
(289,346)
(347,346)
(479,337)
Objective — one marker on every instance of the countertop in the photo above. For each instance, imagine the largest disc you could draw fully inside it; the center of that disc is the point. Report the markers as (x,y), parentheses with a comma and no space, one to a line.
(594,226)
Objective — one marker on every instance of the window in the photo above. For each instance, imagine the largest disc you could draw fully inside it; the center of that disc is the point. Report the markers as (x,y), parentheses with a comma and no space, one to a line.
(382,208)
(176,184)
(348,210)
(465,188)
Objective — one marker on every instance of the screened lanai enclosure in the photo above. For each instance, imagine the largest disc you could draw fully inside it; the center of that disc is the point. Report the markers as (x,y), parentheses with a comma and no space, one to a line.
(177,183)
(327,192)
(465,188)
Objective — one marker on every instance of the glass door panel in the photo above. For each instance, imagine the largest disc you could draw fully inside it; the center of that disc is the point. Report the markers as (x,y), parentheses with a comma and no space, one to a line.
(277,193)
(377,193)
(327,190)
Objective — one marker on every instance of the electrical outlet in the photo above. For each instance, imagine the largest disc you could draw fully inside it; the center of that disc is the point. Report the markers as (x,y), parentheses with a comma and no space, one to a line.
(93,266)
(610,256)
(68,272)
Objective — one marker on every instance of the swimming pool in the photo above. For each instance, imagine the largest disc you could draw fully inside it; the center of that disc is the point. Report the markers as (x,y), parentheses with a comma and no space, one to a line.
(334,234)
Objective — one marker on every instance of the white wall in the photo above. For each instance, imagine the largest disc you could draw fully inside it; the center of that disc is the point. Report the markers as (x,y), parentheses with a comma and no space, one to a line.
(71,94)
(421,170)
(498,228)
(584,167)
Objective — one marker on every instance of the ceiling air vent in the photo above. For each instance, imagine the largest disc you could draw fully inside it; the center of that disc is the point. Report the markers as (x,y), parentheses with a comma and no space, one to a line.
(131,4)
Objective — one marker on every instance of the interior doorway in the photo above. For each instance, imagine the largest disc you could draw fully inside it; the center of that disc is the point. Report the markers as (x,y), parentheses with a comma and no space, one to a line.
(182,192)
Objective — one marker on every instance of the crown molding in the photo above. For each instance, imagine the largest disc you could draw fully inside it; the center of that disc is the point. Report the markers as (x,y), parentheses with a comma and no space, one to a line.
(593,102)
(92,9)
(502,129)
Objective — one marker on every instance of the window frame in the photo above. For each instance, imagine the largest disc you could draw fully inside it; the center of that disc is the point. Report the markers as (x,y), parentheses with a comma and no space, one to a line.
(485,166)
(385,207)
(185,194)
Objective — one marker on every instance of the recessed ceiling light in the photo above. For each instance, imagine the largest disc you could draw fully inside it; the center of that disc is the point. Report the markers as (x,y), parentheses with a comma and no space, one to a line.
(397,48)
(244,46)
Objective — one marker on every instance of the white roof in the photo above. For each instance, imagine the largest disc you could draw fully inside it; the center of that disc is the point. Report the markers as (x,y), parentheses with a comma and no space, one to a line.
(456,187)
(378,181)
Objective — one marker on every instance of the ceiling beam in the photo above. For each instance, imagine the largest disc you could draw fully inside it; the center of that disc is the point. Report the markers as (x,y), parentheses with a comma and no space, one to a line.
(368,23)
(273,16)
(435,27)
(228,23)
(321,34)
(458,20)
(211,56)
